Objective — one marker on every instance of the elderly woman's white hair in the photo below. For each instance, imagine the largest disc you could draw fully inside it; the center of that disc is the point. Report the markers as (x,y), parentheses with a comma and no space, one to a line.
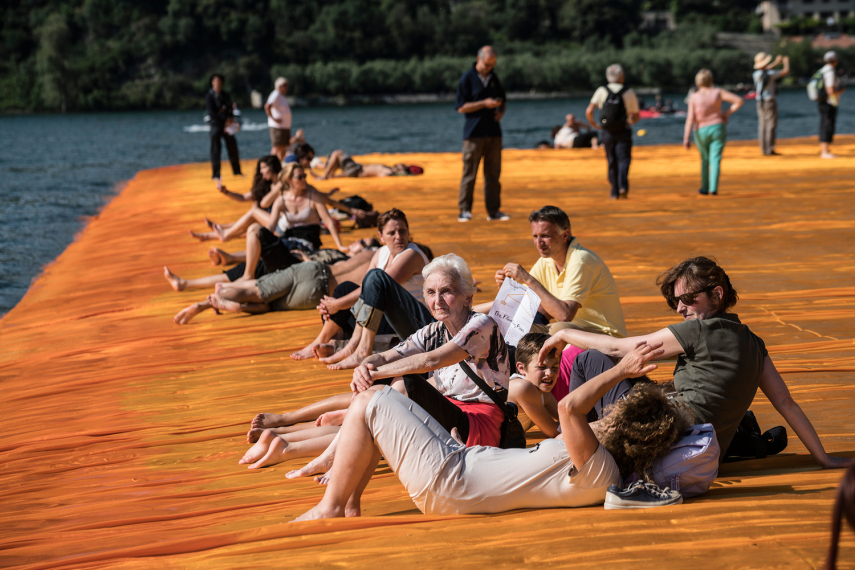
(453,266)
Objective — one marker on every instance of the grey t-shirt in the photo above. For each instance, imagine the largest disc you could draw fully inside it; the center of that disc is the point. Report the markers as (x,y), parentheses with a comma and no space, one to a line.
(719,371)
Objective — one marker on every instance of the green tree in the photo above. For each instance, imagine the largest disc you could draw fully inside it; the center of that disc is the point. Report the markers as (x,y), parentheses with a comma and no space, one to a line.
(611,20)
(54,75)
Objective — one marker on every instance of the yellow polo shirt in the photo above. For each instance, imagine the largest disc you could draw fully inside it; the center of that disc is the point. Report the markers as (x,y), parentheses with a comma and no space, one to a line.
(586,280)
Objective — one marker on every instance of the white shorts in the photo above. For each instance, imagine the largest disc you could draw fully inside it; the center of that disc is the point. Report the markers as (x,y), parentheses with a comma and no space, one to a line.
(415,446)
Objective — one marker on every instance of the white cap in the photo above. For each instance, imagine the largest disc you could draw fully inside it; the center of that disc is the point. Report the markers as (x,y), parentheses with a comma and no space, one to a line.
(829,56)
(280,81)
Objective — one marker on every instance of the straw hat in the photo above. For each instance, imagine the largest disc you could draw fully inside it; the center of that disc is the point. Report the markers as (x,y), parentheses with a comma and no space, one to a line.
(761,60)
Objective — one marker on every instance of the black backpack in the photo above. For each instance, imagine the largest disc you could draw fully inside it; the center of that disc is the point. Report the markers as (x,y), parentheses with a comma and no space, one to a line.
(613,112)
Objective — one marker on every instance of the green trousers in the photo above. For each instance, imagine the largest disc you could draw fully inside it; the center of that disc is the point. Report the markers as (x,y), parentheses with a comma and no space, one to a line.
(710,141)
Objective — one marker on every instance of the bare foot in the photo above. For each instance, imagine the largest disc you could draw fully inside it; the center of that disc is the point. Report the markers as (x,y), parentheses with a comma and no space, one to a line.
(258,450)
(218,256)
(268,421)
(209,223)
(201,236)
(353,509)
(224,304)
(323,479)
(253,434)
(177,283)
(338,356)
(320,464)
(276,453)
(351,361)
(335,418)
(320,513)
(184,316)
(324,350)
(827,155)
(218,229)
(305,353)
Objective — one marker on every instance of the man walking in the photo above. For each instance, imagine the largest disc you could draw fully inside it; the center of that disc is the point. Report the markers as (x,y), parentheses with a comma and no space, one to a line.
(828,98)
(765,85)
(618,110)
(220,111)
(481,98)
(279,118)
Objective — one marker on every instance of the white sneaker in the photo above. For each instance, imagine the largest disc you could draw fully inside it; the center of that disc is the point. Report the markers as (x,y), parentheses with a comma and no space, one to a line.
(465,216)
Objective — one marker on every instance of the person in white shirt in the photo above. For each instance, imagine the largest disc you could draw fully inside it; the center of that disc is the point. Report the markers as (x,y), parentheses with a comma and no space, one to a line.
(829,99)
(765,78)
(570,134)
(279,118)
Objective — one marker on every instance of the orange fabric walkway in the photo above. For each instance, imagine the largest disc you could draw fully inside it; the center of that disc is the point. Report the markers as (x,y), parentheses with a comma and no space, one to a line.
(121,431)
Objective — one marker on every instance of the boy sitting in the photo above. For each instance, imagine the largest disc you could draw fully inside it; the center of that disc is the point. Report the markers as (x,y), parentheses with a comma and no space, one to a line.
(530,388)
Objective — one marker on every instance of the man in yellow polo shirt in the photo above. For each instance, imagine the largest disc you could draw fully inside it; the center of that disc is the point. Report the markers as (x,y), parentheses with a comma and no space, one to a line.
(575,286)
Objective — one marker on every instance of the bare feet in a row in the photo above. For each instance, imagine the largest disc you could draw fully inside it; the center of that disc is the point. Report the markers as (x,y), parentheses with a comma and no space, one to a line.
(184,316)
(268,420)
(223,304)
(335,418)
(351,361)
(218,229)
(202,236)
(304,353)
(219,257)
(209,223)
(266,452)
(175,281)
(321,464)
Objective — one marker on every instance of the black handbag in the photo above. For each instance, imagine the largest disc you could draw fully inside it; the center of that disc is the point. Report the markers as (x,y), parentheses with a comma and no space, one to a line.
(512,434)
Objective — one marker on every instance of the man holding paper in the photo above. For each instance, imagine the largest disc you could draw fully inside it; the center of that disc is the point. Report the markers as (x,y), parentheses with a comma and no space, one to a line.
(574,285)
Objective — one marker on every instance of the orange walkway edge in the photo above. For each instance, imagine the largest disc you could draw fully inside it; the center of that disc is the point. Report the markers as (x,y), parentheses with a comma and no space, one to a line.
(121,431)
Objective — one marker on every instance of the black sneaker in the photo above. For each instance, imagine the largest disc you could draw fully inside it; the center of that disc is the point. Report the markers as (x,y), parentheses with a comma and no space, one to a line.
(465,216)
(641,495)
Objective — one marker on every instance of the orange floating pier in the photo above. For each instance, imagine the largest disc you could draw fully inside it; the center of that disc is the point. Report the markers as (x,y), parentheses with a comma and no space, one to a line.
(121,431)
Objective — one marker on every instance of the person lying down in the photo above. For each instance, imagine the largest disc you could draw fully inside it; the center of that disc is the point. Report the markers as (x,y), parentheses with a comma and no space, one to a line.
(445,477)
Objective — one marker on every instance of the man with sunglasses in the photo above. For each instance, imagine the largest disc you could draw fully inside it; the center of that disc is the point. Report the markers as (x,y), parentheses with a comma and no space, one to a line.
(720,362)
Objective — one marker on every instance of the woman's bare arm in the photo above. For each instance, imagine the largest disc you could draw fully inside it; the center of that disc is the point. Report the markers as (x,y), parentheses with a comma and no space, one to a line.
(384,365)
(275,213)
(774,387)
(326,219)
(609,345)
(735,102)
(271,196)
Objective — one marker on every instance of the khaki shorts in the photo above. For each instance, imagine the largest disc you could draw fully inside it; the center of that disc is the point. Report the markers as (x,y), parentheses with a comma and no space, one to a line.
(415,446)
(279,137)
(300,286)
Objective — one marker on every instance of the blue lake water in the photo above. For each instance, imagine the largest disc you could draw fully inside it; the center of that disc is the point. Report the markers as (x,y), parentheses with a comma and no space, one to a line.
(56,169)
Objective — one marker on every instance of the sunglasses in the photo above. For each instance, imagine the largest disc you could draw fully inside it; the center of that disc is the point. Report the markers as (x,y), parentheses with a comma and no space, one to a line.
(299,177)
(688,299)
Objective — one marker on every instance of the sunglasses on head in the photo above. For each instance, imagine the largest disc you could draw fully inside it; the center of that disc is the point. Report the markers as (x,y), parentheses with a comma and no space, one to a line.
(688,299)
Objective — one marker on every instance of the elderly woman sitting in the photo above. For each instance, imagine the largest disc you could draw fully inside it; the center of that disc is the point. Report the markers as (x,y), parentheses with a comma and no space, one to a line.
(445,478)
(458,337)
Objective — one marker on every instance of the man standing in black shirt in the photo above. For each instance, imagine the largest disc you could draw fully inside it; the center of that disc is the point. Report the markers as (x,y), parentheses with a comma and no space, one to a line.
(219,107)
(481,98)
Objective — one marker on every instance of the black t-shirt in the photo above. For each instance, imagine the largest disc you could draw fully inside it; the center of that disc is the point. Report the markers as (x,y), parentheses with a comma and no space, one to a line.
(472,88)
(719,371)
(219,107)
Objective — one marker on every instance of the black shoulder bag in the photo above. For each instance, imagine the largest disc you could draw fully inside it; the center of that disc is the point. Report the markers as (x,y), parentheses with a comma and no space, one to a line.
(512,434)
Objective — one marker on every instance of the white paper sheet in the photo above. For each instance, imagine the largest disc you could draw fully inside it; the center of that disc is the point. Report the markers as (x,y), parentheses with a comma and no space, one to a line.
(514,310)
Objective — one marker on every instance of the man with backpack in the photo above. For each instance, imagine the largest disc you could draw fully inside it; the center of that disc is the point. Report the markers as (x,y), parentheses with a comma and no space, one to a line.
(618,107)
(824,88)
(765,78)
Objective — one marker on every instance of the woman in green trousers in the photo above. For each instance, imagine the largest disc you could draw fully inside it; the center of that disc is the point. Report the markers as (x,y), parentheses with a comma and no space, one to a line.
(709,123)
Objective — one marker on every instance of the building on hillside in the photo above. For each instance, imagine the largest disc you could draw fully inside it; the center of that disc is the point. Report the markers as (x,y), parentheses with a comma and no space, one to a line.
(773,12)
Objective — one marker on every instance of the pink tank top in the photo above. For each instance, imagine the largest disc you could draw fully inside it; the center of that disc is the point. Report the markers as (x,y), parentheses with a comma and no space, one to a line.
(707,106)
